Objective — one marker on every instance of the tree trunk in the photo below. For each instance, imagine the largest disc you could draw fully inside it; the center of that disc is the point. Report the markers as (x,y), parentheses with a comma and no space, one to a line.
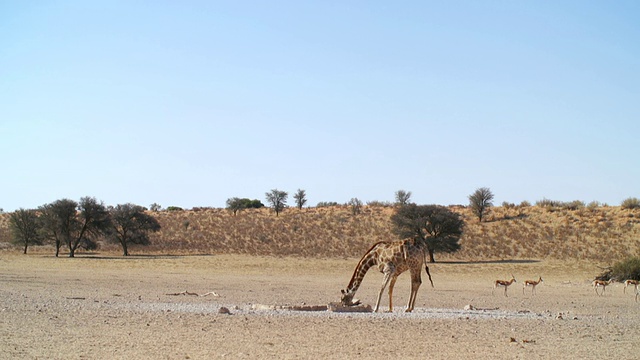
(25,247)
(124,248)
(72,250)
(431,259)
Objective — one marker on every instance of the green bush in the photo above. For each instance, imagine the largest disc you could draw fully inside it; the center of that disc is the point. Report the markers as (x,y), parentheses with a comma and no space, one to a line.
(548,203)
(573,205)
(624,270)
(376,203)
(594,205)
(631,203)
(327,204)
(174,208)
(565,205)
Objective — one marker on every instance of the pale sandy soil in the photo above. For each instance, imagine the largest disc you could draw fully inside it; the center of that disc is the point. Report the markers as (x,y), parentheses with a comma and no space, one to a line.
(103,307)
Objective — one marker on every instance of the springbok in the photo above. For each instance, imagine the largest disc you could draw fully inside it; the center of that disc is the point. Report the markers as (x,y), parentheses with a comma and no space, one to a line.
(601,283)
(503,283)
(631,282)
(532,283)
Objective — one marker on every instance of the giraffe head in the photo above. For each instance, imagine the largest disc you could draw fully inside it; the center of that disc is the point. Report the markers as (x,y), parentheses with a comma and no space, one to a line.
(347,299)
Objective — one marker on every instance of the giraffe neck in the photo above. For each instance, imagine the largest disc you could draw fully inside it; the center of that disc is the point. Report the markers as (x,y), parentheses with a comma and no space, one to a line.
(368,260)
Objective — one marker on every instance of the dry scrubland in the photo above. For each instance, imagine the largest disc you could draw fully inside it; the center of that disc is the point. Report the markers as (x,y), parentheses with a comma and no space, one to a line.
(603,234)
(101,305)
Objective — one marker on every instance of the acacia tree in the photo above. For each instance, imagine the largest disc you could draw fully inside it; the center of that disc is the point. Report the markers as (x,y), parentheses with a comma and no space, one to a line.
(277,199)
(403,197)
(436,226)
(24,226)
(356,206)
(58,219)
(235,204)
(75,224)
(480,202)
(301,198)
(131,225)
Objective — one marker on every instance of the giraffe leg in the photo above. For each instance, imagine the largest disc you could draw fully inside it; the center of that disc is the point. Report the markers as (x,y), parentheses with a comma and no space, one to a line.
(416,281)
(388,272)
(391,285)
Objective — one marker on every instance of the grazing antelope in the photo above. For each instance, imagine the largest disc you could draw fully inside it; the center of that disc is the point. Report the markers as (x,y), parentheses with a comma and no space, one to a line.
(631,282)
(503,283)
(601,283)
(532,283)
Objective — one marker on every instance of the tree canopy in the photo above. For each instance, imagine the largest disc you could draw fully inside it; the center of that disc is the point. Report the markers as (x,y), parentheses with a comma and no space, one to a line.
(75,224)
(277,199)
(480,202)
(236,204)
(25,228)
(403,197)
(131,225)
(438,227)
(301,198)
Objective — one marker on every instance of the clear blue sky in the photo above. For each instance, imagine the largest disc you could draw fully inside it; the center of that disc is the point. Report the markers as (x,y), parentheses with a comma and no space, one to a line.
(189,103)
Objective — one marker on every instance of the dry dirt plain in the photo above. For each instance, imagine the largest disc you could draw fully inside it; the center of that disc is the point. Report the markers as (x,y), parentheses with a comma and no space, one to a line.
(99,306)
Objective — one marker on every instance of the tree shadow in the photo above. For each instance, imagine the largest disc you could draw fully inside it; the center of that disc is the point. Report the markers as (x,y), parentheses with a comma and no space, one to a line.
(99,256)
(509,218)
(480,262)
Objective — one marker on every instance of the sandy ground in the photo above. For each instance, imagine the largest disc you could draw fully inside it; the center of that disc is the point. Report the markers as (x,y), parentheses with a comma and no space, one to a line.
(109,307)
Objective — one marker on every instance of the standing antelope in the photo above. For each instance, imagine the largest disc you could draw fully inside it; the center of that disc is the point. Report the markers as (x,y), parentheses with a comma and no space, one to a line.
(503,283)
(601,283)
(532,283)
(631,282)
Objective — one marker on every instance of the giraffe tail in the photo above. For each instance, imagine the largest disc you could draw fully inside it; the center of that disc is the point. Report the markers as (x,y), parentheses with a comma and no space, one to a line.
(429,274)
(426,267)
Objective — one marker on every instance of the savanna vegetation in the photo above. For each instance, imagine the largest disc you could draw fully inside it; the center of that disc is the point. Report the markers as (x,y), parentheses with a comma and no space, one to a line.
(602,234)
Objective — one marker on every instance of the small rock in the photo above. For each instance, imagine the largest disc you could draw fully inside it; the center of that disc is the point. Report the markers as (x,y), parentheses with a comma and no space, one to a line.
(224,310)
(469,307)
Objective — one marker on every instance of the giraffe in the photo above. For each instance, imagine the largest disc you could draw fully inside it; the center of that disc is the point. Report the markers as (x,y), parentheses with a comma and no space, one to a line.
(392,259)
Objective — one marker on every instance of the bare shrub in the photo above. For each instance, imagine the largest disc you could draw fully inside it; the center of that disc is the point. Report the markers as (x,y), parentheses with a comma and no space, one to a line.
(630,203)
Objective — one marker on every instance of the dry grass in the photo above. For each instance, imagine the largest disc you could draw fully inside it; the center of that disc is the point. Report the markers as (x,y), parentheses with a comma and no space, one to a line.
(603,234)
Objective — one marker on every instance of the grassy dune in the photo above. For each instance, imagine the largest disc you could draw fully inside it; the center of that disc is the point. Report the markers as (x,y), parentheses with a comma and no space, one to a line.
(603,234)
